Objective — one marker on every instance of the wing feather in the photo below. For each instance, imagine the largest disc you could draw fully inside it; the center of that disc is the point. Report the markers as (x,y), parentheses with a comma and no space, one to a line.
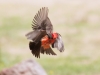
(41,21)
(47,51)
(58,44)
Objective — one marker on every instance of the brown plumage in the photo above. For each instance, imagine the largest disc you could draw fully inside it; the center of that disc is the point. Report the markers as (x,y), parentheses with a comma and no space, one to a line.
(42,27)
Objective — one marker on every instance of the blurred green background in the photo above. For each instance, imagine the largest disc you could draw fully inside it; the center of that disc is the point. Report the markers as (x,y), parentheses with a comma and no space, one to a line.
(78,21)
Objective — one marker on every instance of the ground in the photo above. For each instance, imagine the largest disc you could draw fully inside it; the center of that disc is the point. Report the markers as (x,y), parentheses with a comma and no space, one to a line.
(77,21)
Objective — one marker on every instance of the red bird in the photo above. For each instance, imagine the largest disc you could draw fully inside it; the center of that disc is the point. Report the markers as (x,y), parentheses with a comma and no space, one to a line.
(43,37)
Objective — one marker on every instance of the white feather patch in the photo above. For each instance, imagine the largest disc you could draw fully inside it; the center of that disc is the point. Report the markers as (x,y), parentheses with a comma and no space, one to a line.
(59,44)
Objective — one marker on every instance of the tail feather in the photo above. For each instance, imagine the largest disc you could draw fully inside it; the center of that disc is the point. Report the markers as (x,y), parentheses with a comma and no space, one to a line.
(35,48)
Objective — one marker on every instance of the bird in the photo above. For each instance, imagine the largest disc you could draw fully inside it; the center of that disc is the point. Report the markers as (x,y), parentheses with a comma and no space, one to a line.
(42,38)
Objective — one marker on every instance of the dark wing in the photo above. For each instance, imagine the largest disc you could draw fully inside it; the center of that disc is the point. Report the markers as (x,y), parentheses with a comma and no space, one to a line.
(47,51)
(35,48)
(41,21)
(58,43)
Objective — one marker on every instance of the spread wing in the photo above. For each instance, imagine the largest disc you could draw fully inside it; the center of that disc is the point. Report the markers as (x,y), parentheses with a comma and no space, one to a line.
(58,44)
(41,25)
(41,21)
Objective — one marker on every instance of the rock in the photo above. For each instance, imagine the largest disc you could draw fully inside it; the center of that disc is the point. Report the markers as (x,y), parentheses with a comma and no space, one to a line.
(29,67)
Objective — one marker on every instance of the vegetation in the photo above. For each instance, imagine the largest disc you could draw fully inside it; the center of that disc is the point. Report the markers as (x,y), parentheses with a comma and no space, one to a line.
(77,22)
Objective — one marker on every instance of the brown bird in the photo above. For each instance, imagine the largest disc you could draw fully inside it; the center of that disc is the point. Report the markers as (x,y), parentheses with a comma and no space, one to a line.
(43,37)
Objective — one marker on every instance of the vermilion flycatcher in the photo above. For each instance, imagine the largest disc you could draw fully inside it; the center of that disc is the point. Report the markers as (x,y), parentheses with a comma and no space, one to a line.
(43,37)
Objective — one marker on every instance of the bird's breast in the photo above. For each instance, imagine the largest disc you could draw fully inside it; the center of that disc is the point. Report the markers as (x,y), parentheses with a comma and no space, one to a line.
(45,42)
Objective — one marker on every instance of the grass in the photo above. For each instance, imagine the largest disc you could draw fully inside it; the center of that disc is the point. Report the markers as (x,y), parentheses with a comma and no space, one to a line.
(63,65)
(7,60)
(70,66)
(79,26)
